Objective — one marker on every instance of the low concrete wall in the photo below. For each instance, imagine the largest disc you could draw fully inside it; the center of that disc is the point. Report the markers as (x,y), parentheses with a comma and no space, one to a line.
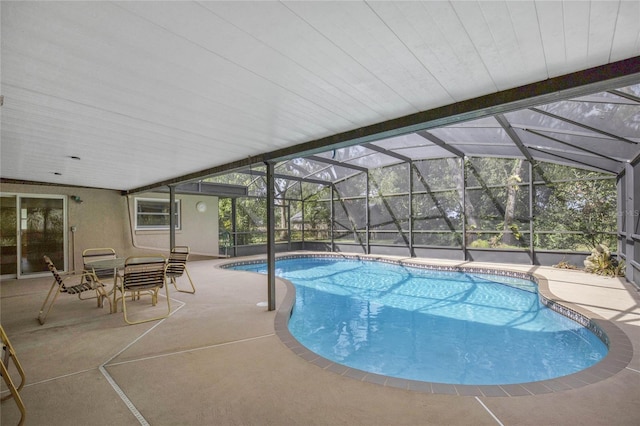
(256,249)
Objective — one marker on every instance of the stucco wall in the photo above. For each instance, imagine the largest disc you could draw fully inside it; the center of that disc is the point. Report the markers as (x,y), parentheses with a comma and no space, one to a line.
(100,220)
(105,219)
(199,230)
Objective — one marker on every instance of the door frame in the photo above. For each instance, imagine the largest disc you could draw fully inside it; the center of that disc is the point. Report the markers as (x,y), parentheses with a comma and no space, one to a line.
(65,249)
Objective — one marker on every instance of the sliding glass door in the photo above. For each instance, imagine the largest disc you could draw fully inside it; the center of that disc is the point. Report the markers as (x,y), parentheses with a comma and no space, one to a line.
(8,235)
(32,226)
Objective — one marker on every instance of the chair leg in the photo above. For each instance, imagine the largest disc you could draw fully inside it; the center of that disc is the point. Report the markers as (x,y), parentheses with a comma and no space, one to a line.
(175,284)
(102,295)
(114,305)
(14,393)
(154,299)
(4,367)
(193,287)
(98,298)
(87,298)
(42,315)
(10,354)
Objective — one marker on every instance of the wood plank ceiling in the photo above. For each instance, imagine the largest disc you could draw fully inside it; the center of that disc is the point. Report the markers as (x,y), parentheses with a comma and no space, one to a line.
(144,92)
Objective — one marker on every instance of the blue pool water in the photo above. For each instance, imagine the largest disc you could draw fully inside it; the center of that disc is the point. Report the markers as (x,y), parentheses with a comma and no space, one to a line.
(436,326)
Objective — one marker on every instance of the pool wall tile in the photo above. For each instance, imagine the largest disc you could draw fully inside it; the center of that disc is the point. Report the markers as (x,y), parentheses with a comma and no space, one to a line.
(618,358)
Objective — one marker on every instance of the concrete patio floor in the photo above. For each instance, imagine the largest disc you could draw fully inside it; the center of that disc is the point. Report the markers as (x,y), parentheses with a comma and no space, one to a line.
(218,361)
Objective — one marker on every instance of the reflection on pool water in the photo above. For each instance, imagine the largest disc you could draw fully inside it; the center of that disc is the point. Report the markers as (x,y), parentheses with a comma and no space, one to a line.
(429,325)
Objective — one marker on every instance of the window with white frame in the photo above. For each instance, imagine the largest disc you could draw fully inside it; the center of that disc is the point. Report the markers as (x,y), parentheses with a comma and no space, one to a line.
(153,213)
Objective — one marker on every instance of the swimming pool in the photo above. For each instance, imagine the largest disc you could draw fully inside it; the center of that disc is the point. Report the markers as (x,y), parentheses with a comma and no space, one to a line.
(432,325)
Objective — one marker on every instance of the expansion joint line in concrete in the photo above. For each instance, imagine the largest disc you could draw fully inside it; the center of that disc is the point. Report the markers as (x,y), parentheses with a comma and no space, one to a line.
(123,396)
(490,412)
(217,345)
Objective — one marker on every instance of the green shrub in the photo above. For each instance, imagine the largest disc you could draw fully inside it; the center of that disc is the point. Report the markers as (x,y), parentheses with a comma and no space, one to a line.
(480,244)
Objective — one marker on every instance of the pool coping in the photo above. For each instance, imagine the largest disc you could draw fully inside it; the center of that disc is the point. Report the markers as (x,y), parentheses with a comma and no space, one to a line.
(617,359)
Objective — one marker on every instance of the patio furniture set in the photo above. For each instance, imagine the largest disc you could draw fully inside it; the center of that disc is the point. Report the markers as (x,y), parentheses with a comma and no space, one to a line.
(131,277)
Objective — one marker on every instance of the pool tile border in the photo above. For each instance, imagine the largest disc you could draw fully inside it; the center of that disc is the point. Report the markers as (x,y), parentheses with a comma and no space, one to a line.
(617,359)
